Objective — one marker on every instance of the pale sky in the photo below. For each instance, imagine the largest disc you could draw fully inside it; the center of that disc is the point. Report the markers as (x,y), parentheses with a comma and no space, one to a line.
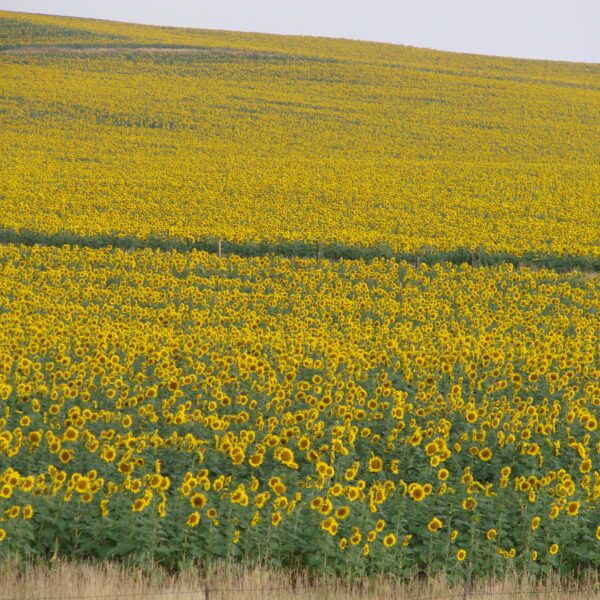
(550,29)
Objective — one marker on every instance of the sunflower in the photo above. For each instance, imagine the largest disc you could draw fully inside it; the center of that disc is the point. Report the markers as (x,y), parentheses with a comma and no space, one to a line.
(125,467)
(155,481)
(375,464)
(485,454)
(355,538)
(434,525)
(35,437)
(329,525)
(469,503)
(461,554)
(109,454)
(71,434)
(416,492)
(279,488)
(573,508)
(471,417)
(82,485)
(286,456)
(350,473)
(342,512)
(322,467)
(198,500)
(337,489)
(431,449)
(352,493)
(326,507)
(193,519)
(554,549)
(256,460)
(389,540)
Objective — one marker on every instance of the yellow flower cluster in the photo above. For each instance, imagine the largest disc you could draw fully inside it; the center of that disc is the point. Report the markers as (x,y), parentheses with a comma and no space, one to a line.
(184,406)
(274,139)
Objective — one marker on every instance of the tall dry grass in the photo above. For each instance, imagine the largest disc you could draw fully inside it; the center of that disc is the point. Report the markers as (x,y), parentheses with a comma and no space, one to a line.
(64,580)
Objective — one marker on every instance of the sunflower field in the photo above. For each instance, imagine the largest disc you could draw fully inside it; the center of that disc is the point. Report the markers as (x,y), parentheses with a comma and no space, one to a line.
(343,417)
(187,136)
(392,367)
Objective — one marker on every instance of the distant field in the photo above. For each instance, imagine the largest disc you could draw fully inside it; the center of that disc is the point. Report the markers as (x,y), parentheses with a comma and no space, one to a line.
(256,138)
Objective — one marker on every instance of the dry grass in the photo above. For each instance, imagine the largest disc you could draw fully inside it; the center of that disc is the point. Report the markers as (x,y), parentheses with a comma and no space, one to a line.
(68,580)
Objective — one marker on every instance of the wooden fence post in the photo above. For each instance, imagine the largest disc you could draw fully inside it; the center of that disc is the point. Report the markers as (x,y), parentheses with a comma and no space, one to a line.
(220,250)
(467,584)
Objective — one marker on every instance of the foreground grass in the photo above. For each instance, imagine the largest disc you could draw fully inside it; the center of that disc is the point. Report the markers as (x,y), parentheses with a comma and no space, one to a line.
(110,580)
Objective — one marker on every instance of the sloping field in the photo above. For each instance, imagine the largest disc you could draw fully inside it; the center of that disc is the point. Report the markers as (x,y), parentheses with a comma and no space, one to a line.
(256,138)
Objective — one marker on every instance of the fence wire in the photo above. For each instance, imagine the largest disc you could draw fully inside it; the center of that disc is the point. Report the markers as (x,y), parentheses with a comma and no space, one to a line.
(208,592)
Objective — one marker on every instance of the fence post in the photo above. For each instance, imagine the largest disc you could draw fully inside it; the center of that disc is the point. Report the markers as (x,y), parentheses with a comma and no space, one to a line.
(418,261)
(467,584)
(219,249)
(472,259)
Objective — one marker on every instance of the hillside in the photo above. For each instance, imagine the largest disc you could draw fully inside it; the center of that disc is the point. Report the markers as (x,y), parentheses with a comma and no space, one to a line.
(279,139)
